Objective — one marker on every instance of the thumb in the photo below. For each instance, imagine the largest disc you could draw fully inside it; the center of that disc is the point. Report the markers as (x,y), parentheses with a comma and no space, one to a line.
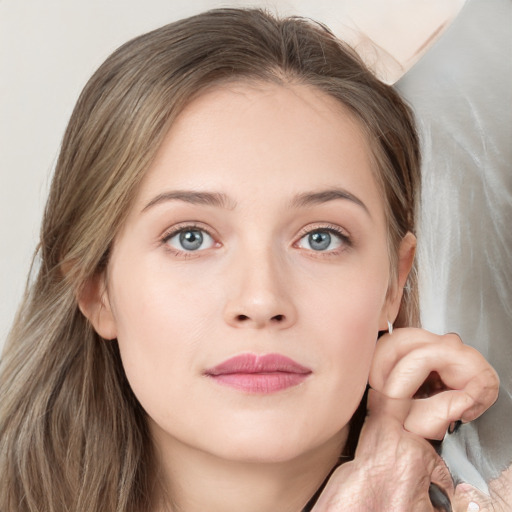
(385,419)
(381,407)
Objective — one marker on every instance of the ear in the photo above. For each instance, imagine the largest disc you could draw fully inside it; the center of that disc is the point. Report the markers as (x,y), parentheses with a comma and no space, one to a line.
(94,303)
(406,253)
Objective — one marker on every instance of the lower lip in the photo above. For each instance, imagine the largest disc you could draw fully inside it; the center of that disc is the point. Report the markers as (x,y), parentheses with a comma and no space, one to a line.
(260,383)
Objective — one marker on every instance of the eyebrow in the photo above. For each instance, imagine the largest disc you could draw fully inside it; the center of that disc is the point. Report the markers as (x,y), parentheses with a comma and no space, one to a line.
(324,196)
(204,198)
(221,200)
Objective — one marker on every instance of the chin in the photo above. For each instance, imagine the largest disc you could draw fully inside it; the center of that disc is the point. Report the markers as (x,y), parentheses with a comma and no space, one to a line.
(274,452)
(275,446)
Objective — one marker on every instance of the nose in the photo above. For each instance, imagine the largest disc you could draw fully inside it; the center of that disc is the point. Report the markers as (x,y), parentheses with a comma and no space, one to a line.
(259,294)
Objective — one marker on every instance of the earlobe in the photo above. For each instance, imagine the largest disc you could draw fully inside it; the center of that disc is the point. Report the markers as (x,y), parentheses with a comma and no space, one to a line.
(94,304)
(406,254)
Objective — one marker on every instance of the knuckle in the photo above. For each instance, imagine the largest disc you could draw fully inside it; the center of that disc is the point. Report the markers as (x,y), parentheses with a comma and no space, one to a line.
(452,338)
(414,452)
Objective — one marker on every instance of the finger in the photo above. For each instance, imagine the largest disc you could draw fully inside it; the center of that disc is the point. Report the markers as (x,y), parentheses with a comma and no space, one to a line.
(484,390)
(469,499)
(456,366)
(383,424)
(383,408)
(391,349)
(430,417)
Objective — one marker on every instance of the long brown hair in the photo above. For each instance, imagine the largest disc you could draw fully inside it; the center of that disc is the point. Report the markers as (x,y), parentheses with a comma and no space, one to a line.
(72,435)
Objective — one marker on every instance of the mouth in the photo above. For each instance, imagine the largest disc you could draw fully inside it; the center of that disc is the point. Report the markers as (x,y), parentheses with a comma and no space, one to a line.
(259,374)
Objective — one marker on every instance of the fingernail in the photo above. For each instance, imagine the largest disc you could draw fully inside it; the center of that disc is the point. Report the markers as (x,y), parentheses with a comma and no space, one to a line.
(473,507)
(454,426)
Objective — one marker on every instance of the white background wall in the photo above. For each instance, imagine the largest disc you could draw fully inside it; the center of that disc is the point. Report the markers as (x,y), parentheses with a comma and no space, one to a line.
(48,50)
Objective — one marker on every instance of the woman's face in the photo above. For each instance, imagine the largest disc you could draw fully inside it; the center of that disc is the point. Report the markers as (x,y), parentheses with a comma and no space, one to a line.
(249,282)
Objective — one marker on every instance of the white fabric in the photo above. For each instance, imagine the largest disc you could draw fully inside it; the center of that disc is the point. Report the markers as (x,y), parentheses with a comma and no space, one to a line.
(461,91)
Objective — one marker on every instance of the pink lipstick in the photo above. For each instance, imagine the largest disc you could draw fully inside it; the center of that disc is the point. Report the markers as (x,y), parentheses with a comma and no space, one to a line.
(261,374)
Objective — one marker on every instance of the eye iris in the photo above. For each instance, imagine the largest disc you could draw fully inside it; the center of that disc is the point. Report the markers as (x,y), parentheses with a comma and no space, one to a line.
(191,240)
(320,240)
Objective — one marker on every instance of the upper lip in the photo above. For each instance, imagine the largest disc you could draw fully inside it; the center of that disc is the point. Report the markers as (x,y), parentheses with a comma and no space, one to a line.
(254,363)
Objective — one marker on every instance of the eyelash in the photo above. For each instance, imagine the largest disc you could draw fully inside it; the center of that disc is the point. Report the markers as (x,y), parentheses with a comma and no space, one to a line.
(329,228)
(175,230)
(332,229)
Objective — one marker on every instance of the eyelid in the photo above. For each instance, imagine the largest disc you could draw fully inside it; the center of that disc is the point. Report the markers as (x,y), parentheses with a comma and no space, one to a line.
(306,230)
(319,226)
(184,226)
(330,228)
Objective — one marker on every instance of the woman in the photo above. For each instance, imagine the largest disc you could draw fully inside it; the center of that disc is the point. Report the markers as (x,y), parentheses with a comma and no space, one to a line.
(229,228)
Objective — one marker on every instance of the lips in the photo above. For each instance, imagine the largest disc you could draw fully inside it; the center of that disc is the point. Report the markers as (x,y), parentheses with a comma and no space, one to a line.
(261,374)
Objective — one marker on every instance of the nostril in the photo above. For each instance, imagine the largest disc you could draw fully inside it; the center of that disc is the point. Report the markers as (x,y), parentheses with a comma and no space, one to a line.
(244,318)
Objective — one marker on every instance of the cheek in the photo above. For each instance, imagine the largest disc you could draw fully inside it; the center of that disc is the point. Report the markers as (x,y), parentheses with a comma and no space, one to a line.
(352,334)
(347,300)
(342,314)
(160,322)
(154,303)
(166,323)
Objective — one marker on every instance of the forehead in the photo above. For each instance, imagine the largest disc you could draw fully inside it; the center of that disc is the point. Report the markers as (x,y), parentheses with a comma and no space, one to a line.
(276,139)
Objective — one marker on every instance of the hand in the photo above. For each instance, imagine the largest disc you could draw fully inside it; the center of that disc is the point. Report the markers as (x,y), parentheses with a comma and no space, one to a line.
(450,381)
(426,382)
(392,469)
(467,498)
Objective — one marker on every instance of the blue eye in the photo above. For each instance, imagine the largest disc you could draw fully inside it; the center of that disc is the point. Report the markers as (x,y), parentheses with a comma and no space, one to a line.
(322,240)
(190,239)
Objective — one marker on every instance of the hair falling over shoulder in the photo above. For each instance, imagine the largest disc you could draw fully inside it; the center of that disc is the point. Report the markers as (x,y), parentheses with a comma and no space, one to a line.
(72,434)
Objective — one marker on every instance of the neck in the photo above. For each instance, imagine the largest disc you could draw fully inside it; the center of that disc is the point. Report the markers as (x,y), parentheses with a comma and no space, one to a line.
(195,481)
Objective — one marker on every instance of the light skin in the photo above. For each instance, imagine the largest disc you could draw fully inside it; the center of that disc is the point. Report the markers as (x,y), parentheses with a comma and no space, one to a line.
(499,499)
(394,464)
(276,162)
(259,229)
